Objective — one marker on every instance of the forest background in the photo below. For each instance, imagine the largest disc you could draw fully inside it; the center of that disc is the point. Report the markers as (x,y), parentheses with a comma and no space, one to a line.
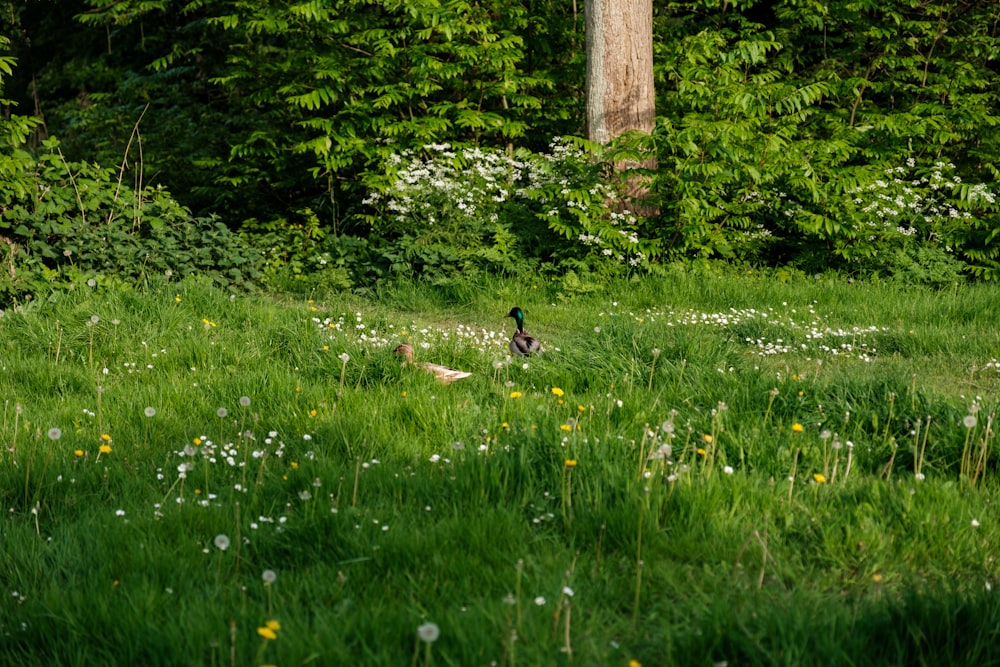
(341,143)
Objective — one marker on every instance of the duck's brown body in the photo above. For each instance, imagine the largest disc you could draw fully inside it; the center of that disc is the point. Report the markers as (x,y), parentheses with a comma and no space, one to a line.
(442,373)
(522,343)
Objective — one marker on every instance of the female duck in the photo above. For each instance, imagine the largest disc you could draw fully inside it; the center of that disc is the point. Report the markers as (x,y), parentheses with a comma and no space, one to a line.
(442,373)
(522,344)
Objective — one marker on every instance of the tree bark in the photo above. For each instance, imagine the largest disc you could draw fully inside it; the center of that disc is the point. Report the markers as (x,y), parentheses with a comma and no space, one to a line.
(620,91)
(620,88)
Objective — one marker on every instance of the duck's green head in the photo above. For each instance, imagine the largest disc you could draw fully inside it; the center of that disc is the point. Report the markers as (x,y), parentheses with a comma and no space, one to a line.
(518,316)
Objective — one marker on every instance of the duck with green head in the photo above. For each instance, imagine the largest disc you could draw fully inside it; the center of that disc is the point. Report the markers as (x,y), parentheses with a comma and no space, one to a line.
(522,344)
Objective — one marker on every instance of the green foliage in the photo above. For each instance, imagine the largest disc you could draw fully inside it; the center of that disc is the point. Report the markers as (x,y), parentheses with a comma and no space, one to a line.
(340,78)
(286,104)
(590,211)
(299,257)
(447,210)
(922,216)
(771,116)
(14,130)
(737,146)
(752,168)
(63,223)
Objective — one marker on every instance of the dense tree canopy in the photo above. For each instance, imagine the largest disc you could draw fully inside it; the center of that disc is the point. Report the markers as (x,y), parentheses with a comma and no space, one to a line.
(778,121)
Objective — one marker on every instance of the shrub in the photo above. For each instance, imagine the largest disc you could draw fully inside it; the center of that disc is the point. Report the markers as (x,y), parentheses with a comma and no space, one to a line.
(913,222)
(447,209)
(61,222)
(302,255)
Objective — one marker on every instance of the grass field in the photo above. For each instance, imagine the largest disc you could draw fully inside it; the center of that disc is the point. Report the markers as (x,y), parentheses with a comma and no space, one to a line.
(698,470)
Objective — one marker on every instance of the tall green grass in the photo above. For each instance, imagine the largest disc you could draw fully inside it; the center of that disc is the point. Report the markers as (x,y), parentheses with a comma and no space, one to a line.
(698,469)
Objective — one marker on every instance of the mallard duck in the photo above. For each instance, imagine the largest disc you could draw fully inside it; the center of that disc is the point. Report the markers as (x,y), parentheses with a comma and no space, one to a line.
(522,344)
(442,373)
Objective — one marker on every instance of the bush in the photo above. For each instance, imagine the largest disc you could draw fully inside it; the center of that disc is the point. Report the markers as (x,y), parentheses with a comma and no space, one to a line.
(64,222)
(913,222)
(302,255)
(448,210)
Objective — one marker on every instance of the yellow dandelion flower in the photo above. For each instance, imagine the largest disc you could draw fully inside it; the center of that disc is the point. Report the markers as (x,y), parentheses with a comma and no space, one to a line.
(634,663)
(197,442)
(570,463)
(105,437)
(274,625)
(177,298)
(877,578)
(404,394)
(516,394)
(505,425)
(295,465)
(566,427)
(581,408)
(313,412)
(105,449)
(326,348)
(701,451)
(197,492)
(797,428)
(267,633)
(820,478)
(707,438)
(557,391)
(78,453)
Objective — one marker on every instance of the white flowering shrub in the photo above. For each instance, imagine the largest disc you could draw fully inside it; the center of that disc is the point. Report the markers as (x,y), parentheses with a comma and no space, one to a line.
(915,221)
(905,205)
(447,209)
(911,222)
(586,211)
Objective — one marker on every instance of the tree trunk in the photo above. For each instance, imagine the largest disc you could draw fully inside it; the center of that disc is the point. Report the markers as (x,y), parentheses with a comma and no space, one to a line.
(620,90)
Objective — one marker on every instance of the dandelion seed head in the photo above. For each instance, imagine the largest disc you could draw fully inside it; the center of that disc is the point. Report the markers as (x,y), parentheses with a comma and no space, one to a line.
(428,632)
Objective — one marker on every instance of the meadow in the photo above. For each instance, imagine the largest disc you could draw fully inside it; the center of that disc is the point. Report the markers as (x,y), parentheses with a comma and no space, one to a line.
(699,469)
